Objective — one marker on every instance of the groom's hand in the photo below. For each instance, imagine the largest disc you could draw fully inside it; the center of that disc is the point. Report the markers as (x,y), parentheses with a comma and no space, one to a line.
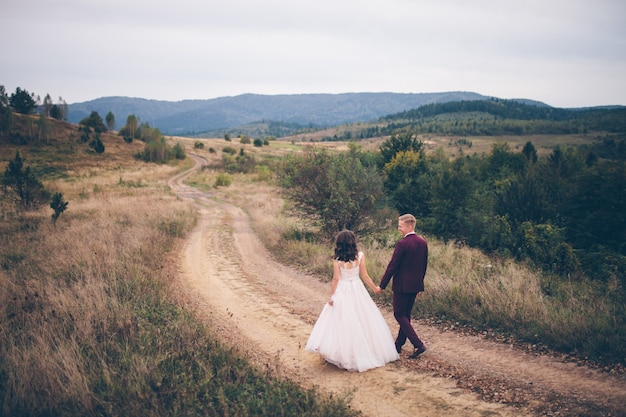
(378,290)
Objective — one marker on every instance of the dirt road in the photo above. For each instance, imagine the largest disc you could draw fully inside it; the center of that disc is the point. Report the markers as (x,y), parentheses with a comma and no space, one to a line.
(266,310)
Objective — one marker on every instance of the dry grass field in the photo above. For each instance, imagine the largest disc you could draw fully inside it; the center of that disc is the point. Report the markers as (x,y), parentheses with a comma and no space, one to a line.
(451,146)
(91,322)
(96,320)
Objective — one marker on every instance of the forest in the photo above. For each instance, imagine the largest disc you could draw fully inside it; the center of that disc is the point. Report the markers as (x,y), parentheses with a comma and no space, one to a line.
(562,213)
(493,117)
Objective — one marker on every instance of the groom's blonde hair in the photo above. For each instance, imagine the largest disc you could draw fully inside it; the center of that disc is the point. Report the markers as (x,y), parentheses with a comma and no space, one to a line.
(408,219)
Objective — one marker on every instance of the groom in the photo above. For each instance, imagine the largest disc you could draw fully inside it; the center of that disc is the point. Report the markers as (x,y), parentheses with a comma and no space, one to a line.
(408,268)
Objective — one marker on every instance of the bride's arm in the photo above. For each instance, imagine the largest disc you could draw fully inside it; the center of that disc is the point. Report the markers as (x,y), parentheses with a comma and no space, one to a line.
(333,286)
(365,276)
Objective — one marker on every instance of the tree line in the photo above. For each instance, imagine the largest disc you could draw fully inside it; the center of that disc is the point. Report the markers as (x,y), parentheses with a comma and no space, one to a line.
(563,213)
(493,117)
(26,103)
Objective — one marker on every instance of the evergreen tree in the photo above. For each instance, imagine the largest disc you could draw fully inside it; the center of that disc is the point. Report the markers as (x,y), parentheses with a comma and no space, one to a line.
(110,120)
(95,122)
(399,143)
(530,152)
(4,98)
(96,144)
(5,112)
(56,112)
(22,101)
(21,185)
(58,205)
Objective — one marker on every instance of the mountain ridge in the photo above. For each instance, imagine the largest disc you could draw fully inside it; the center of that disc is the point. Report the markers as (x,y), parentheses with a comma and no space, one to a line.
(320,110)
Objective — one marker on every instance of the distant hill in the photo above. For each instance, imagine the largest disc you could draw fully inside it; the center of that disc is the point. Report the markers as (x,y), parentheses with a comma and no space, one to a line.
(319,110)
(503,117)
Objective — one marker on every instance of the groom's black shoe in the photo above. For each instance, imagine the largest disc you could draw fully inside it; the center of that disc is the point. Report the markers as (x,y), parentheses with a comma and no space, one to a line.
(398,348)
(418,351)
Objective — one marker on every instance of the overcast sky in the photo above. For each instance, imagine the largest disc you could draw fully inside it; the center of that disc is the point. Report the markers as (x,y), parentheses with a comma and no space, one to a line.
(565,53)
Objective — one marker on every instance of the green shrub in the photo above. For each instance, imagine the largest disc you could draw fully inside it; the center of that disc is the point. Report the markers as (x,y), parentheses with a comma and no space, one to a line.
(223,180)
(263,173)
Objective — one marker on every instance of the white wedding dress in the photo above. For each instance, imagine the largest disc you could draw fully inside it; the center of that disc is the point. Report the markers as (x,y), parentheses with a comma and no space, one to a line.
(352,333)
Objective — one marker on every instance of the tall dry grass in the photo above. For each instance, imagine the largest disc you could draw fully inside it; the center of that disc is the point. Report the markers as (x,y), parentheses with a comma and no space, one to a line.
(64,293)
(91,325)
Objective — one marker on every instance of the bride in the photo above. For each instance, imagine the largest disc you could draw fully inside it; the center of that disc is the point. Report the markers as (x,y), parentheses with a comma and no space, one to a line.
(350,332)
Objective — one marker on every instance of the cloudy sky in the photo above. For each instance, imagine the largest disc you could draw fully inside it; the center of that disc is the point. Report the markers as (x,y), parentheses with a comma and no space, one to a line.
(566,53)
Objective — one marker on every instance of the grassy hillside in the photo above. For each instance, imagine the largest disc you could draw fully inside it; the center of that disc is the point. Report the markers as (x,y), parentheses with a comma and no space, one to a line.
(91,323)
(90,320)
(60,152)
(466,123)
(452,145)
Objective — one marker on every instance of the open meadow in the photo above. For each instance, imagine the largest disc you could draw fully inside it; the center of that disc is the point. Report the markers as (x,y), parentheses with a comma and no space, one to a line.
(119,308)
(92,323)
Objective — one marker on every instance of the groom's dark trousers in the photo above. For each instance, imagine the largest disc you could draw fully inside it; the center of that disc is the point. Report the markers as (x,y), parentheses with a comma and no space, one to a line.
(402,306)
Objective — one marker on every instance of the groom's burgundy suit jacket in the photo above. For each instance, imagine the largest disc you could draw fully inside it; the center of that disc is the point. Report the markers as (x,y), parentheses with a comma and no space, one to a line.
(407,265)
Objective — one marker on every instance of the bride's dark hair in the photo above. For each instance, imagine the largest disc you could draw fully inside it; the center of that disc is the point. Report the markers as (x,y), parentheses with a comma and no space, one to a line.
(345,246)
